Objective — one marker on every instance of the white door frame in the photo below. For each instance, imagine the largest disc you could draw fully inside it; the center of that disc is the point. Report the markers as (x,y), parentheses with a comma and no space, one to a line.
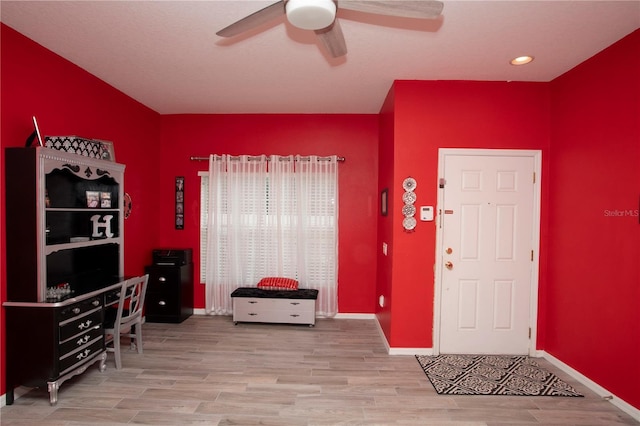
(533,319)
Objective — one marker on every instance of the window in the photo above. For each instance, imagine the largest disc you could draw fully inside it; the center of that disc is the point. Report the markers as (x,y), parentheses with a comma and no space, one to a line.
(280,222)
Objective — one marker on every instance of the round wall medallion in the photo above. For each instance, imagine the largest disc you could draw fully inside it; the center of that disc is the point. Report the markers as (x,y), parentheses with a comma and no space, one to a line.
(409,223)
(409,197)
(409,184)
(408,210)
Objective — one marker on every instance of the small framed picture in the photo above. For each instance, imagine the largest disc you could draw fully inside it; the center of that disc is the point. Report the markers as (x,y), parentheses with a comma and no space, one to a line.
(179,199)
(384,202)
(105,200)
(106,151)
(93,199)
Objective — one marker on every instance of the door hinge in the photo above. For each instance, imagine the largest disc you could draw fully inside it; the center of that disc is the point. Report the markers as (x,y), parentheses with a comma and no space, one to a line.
(532,255)
(529,332)
(534,177)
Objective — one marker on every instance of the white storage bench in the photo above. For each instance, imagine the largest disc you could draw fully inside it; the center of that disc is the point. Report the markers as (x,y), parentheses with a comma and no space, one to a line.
(251,304)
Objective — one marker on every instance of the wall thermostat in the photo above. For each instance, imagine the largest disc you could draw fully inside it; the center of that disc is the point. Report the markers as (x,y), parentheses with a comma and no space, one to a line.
(426,213)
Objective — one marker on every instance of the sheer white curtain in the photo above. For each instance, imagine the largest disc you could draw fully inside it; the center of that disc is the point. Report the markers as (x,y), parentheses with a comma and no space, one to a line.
(283,222)
(283,217)
(317,213)
(237,207)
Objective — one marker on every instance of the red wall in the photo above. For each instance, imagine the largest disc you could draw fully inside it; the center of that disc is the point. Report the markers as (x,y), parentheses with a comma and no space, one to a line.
(593,300)
(68,101)
(352,136)
(385,224)
(429,115)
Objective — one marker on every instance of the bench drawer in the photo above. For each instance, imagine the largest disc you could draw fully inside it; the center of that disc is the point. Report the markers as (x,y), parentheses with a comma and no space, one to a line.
(256,309)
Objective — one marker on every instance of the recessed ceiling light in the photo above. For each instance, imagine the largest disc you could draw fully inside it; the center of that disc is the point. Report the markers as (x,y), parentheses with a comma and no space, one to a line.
(521,60)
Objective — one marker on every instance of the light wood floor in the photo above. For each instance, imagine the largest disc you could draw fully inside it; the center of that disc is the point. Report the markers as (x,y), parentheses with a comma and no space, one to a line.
(207,371)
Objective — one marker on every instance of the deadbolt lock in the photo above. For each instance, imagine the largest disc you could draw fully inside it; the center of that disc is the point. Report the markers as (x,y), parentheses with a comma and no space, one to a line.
(449,250)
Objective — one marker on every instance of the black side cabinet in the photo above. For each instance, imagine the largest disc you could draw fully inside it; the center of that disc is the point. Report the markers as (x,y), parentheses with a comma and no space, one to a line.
(169,293)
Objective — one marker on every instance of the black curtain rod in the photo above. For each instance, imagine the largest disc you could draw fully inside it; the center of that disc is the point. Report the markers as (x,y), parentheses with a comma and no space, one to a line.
(339,159)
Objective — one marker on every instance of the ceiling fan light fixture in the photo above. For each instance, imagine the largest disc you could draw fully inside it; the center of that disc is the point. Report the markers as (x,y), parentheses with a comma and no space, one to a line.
(521,60)
(311,14)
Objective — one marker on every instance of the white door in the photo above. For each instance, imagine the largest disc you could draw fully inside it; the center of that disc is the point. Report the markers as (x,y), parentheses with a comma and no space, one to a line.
(488,251)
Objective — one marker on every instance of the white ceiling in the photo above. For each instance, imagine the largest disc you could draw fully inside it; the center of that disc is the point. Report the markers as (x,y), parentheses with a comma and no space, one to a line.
(165,54)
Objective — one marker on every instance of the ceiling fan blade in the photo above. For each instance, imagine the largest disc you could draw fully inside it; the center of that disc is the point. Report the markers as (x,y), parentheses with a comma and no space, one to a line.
(254,20)
(426,9)
(333,39)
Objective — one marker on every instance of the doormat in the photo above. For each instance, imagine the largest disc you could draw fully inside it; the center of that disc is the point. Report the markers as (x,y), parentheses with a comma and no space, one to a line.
(492,375)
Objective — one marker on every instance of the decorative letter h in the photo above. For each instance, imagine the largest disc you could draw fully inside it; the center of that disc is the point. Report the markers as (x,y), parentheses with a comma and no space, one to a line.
(106,224)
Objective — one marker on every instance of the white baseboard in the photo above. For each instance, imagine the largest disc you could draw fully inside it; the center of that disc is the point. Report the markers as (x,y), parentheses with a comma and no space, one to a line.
(410,351)
(599,390)
(382,335)
(401,351)
(340,315)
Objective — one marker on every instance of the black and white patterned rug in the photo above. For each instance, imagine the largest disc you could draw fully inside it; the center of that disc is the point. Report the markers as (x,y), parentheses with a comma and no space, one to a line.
(491,375)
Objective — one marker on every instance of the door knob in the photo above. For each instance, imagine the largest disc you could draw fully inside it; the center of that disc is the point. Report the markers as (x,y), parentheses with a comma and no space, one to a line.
(448,265)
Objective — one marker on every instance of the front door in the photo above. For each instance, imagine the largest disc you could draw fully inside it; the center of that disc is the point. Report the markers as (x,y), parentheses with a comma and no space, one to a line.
(487,254)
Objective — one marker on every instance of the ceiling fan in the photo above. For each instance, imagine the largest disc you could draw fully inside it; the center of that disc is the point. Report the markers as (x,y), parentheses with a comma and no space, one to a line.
(320,16)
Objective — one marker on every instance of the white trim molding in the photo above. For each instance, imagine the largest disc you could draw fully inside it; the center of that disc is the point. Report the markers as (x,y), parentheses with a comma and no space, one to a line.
(354,316)
(401,351)
(599,390)
(410,351)
(382,335)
